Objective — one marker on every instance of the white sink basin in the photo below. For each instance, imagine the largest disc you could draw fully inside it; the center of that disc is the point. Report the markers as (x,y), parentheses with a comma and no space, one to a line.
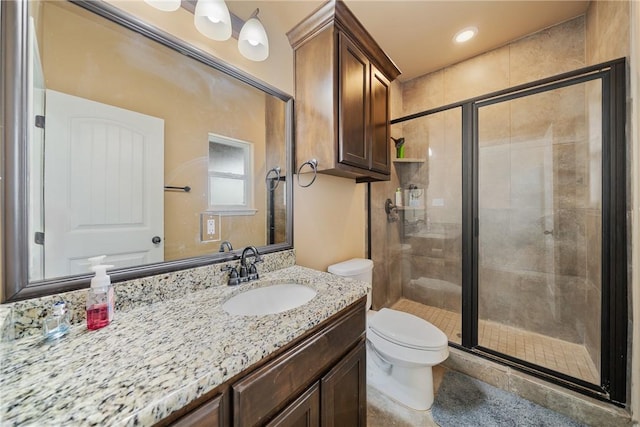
(269,300)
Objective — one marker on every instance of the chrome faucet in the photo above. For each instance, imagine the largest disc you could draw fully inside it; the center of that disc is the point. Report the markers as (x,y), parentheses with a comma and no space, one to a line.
(249,272)
(225,244)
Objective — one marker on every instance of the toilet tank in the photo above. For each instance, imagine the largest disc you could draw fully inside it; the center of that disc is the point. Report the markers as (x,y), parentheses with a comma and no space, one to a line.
(356,268)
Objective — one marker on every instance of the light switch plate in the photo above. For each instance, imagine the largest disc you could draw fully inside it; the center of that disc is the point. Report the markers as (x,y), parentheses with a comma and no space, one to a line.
(209,227)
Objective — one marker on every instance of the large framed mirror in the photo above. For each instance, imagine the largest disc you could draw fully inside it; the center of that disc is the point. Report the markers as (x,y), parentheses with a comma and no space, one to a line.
(122,140)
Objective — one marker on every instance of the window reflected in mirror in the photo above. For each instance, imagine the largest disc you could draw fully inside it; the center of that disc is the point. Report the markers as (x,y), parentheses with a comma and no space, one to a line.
(230,176)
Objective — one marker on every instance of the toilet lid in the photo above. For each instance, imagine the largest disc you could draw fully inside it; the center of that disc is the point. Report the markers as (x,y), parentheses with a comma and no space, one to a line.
(407,330)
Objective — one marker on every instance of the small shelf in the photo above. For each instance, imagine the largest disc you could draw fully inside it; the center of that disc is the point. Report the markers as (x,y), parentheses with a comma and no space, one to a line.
(408,160)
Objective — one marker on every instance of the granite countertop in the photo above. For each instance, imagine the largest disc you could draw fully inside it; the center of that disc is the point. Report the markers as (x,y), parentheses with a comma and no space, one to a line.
(155,359)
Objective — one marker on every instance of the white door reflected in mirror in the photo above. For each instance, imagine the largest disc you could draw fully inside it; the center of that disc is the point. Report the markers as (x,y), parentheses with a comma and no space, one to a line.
(103,185)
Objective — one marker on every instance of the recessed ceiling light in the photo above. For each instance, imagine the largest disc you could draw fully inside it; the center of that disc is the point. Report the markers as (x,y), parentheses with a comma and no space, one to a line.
(465,34)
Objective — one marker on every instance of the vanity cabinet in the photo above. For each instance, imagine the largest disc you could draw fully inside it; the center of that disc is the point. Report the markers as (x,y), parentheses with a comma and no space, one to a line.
(303,412)
(342,94)
(209,414)
(318,380)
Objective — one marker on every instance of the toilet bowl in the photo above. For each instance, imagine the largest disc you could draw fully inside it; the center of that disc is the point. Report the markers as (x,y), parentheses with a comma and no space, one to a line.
(401,348)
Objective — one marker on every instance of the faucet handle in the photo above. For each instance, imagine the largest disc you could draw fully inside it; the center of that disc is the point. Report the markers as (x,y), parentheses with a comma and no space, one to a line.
(253,271)
(244,275)
(234,278)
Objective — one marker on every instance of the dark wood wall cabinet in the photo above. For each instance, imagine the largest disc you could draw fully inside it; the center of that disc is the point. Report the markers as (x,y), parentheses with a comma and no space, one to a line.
(318,380)
(342,80)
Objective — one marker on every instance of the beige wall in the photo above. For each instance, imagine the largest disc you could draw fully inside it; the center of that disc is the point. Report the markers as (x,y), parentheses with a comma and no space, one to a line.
(182,97)
(330,221)
(634,114)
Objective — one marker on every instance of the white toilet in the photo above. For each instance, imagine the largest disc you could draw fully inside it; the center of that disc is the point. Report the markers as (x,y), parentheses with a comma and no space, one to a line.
(401,348)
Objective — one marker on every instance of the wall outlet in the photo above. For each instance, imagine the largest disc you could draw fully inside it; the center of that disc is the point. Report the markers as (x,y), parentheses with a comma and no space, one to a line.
(209,227)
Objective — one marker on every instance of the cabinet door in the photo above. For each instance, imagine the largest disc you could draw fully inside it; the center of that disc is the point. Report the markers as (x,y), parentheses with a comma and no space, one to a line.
(303,412)
(210,414)
(353,104)
(344,393)
(380,156)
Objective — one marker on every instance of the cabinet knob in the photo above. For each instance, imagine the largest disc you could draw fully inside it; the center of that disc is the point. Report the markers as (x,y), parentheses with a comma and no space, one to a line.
(156,240)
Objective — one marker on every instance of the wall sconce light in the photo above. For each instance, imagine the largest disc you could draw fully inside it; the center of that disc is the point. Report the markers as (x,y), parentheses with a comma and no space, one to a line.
(213,19)
(164,5)
(253,42)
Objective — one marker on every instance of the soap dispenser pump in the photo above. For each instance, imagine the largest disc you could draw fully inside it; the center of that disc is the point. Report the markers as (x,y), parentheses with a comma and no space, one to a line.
(100,298)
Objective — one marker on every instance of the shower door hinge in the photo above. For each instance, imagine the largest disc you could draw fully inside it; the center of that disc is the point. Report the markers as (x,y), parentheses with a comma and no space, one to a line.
(40,122)
(39,238)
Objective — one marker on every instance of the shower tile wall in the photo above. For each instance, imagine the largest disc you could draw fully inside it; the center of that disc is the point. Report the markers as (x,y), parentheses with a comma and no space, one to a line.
(565,47)
(533,245)
(552,51)
(386,251)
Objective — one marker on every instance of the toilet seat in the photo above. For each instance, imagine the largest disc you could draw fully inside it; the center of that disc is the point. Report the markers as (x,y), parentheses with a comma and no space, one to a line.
(407,330)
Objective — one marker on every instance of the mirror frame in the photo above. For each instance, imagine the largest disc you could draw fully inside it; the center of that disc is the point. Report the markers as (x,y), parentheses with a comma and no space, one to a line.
(14,17)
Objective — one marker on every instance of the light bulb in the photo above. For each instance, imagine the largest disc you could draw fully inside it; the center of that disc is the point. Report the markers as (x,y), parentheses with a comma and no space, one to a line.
(252,40)
(212,19)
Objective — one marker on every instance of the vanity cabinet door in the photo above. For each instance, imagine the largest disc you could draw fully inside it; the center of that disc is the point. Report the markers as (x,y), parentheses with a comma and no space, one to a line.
(209,414)
(353,104)
(342,95)
(303,412)
(344,392)
(379,136)
(260,395)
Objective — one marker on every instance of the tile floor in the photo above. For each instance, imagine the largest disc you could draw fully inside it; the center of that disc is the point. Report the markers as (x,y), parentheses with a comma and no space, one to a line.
(569,358)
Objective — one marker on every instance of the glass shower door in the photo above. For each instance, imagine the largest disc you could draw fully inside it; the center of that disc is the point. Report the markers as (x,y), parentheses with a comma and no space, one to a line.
(539,240)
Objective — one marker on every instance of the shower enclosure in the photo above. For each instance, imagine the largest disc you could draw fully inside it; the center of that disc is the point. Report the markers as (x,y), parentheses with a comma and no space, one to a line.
(514,229)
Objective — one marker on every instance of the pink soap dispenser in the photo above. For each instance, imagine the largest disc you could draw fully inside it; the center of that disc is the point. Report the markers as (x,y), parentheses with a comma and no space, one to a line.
(100,298)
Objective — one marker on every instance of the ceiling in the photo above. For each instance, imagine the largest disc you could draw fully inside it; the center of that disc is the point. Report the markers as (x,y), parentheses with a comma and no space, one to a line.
(418,34)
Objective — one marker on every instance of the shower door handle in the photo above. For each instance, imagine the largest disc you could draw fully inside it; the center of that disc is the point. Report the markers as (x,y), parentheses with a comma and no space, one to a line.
(547,232)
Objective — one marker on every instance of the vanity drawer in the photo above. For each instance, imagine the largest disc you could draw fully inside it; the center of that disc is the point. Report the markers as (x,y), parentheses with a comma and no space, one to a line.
(265,391)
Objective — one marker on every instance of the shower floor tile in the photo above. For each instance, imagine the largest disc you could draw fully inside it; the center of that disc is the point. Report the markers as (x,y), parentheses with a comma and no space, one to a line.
(562,356)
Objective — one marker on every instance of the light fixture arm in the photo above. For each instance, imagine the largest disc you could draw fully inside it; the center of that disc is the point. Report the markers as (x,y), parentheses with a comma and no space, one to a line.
(254,14)
(253,51)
